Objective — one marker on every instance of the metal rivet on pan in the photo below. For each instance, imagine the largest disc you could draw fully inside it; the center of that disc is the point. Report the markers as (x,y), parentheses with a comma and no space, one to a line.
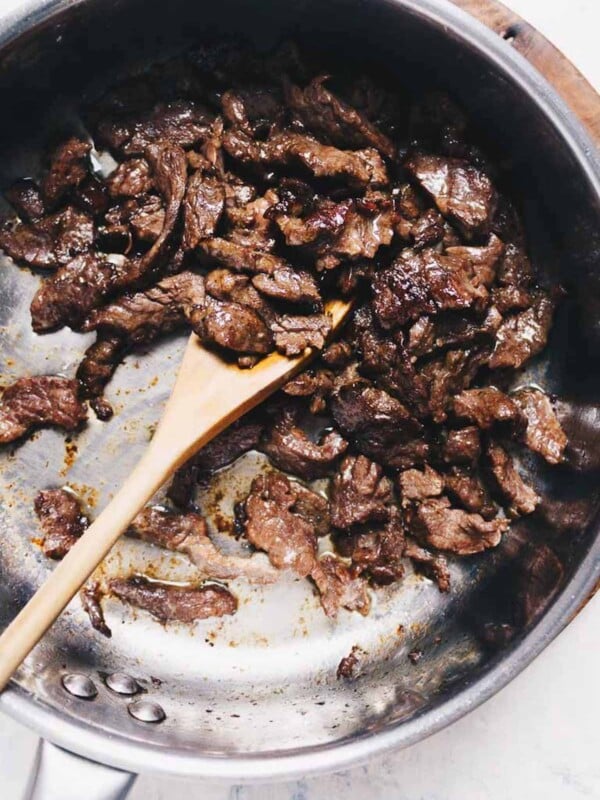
(121,683)
(146,711)
(79,685)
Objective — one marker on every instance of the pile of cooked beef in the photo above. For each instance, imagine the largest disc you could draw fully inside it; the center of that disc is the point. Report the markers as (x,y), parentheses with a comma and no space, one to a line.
(245,191)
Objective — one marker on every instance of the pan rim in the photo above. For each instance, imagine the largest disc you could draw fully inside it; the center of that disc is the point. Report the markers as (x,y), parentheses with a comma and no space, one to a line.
(120,752)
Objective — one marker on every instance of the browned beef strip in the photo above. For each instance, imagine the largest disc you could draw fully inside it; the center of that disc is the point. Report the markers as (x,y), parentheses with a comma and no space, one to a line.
(91,599)
(360,493)
(291,285)
(338,588)
(515,269)
(224,449)
(316,384)
(337,354)
(422,282)
(359,168)
(462,446)
(143,316)
(241,258)
(449,374)
(69,167)
(456,531)
(273,524)
(432,564)
(61,520)
(523,335)
(511,298)
(293,334)
(170,603)
(183,123)
(481,262)
(376,552)
(380,426)
(450,329)
(329,117)
(75,289)
(97,367)
(143,215)
(415,484)
(48,242)
(92,196)
(544,433)
(188,534)
(469,491)
(25,197)
(290,449)
(231,326)
(41,400)
(131,178)
(520,497)
(462,192)
(487,407)
(202,208)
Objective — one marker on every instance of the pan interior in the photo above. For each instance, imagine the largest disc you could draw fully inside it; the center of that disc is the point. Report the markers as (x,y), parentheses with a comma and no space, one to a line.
(264,681)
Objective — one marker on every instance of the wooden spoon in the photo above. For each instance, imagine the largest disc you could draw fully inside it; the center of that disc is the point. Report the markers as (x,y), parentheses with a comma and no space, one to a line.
(209,395)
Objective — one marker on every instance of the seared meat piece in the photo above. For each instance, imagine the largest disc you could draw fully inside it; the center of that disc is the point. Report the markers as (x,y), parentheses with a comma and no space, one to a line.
(450,329)
(338,588)
(91,599)
(41,400)
(544,433)
(316,384)
(253,110)
(450,374)
(68,296)
(433,565)
(92,196)
(521,498)
(131,178)
(61,520)
(359,168)
(422,282)
(144,215)
(97,368)
(290,449)
(360,493)
(49,242)
(291,285)
(523,335)
(456,531)
(68,168)
(416,485)
(515,269)
(142,317)
(468,490)
(337,354)
(293,334)
(181,123)
(202,208)
(170,603)
(487,407)
(426,231)
(224,449)
(274,525)
(380,426)
(188,534)
(241,258)
(327,116)
(511,298)
(232,326)
(376,553)
(480,262)
(462,192)
(462,446)
(26,198)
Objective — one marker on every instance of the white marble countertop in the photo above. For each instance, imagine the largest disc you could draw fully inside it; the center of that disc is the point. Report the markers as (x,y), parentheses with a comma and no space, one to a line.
(537,739)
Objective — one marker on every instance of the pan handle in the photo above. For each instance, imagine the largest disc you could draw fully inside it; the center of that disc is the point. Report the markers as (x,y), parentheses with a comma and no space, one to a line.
(60,775)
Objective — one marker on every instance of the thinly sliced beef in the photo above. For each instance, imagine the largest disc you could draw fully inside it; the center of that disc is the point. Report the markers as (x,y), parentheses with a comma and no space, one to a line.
(487,407)
(448,375)
(422,282)
(462,192)
(544,433)
(240,258)
(360,493)
(376,552)
(131,178)
(338,588)
(290,448)
(330,117)
(38,401)
(61,520)
(232,326)
(170,603)
(462,446)
(69,167)
(48,242)
(415,484)
(293,334)
(188,534)
(25,197)
(316,384)
(91,600)
(469,491)
(202,208)
(456,531)
(358,168)
(224,449)
(432,564)
(97,367)
(520,497)
(523,335)
(481,262)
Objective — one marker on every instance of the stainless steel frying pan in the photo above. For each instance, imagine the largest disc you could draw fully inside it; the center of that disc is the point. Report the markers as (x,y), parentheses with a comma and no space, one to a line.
(256,696)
